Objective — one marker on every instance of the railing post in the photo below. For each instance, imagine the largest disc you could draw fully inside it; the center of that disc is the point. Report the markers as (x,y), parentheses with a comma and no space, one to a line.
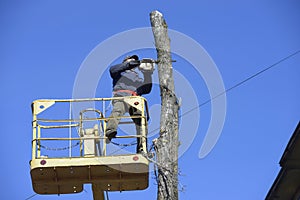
(144,125)
(34,141)
(39,141)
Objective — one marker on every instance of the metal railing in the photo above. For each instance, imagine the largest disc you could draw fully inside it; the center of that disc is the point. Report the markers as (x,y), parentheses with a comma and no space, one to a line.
(78,125)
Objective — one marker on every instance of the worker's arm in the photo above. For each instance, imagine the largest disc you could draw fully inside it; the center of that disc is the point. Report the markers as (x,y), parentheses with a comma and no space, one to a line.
(119,68)
(146,86)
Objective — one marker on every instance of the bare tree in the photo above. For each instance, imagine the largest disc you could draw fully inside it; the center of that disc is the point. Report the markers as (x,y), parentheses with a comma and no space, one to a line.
(166,145)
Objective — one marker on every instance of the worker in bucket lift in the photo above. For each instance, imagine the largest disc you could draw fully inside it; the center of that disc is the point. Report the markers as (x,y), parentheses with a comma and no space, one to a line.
(127,82)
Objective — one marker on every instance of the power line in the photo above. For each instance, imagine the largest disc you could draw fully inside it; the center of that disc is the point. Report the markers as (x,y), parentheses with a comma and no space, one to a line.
(242,82)
(31,197)
(107,197)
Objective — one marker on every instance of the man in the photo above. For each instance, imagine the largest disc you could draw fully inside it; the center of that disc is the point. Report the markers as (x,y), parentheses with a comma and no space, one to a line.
(127,82)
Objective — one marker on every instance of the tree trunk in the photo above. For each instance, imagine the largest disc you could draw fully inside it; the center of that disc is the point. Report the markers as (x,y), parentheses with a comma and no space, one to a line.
(166,145)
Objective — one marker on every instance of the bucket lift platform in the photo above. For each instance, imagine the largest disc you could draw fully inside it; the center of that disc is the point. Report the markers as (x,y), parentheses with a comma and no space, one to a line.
(87,162)
(110,173)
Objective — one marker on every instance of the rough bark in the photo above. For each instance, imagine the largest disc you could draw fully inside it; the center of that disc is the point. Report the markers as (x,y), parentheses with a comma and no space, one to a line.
(166,145)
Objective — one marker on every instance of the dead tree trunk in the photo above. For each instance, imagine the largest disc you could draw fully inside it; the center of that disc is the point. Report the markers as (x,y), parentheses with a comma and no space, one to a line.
(166,145)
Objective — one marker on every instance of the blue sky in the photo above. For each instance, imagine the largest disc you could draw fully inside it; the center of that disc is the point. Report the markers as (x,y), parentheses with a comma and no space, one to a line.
(44,43)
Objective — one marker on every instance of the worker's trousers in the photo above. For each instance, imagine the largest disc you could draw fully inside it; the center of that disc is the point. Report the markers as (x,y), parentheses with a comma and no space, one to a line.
(119,109)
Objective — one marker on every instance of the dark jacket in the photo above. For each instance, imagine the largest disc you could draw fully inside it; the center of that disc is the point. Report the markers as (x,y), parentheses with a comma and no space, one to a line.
(125,78)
